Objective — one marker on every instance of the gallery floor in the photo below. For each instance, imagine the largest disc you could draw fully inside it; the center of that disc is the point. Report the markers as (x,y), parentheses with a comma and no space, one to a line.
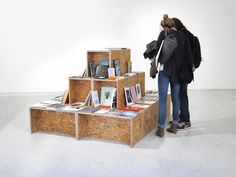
(207,149)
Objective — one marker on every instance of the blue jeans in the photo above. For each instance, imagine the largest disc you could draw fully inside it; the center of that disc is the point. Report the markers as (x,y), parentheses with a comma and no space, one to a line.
(184,108)
(163,84)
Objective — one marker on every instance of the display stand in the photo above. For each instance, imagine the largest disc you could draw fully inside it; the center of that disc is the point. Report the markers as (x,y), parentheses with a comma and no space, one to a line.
(129,130)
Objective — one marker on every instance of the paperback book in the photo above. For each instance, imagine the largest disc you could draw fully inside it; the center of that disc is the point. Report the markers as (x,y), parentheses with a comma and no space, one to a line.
(107,96)
(95,98)
(128,98)
(129,113)
(89,109)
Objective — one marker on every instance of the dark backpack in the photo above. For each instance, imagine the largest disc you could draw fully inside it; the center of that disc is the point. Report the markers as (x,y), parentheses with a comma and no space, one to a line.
(196,51)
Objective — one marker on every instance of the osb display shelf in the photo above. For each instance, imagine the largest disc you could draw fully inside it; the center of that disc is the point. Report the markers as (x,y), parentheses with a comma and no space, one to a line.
(79,88)
(129,130)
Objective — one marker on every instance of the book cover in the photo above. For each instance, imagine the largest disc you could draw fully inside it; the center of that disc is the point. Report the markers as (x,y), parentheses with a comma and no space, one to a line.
(141,101)
(102,111)
(104,61)
(111,72)
(116,64)
(107,95)
(138,90)
(55,106)
(114,101)
(133,94)
(95,98)
(129,113)
(131,108)
(89,109)
(128,98)
(102,72)
(114,112)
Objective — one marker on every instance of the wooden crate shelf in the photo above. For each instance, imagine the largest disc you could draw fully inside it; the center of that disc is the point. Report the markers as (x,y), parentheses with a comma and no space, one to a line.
(94,56)
(80,87)
(52,121)
(103,126)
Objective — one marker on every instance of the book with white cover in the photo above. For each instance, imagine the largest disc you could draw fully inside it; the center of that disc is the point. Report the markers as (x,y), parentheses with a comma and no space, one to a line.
(95,98)
(107,94)
(111,72)
(102,111)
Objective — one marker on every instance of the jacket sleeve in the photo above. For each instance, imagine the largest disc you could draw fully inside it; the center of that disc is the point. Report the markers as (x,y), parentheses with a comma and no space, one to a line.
(186,73)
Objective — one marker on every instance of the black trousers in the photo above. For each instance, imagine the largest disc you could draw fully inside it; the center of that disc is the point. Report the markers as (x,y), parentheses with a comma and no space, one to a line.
(184,103)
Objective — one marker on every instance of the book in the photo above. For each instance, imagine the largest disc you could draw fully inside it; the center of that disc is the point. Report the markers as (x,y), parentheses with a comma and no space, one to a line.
(115,112)
(116,64)
(102,111)
(138,90)
(55,106)
(131,108)
(111,72)
(65,97)
(88,101)
(129,113)
(104,61)
(150,98)
(151,93)
(140,106)
(107,95)
(95,98)
(128,98)
(71,108)
(89,109)
(114,101)
(133,94)
(141,101)
(102,72)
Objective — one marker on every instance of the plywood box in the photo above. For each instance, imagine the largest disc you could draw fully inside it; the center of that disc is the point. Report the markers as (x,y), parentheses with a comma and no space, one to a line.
(123,129)
(94,56)
(80,87)
(52,121)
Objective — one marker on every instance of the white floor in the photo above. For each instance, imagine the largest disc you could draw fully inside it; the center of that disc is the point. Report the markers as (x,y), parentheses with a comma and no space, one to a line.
(208,149)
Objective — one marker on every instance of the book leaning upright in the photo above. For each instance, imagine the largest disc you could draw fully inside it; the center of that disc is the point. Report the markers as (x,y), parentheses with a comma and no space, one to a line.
(107,95)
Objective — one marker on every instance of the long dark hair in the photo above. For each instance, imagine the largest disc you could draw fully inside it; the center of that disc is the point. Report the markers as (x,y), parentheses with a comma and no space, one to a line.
(178,24)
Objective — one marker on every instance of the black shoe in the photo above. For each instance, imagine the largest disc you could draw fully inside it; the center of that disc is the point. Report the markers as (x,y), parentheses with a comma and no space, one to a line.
(184,125)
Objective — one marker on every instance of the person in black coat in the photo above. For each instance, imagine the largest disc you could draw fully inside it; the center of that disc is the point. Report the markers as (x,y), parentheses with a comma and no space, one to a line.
(187,71)
(172,72)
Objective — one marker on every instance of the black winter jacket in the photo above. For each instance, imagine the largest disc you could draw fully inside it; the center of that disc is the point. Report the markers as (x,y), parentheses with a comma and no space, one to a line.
(179,66)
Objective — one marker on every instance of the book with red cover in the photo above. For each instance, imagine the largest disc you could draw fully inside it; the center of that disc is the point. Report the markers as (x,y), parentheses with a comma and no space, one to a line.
(129,108)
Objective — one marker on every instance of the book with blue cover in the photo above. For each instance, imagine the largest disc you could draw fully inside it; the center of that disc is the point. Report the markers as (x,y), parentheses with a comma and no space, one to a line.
(129,113)
(104,61)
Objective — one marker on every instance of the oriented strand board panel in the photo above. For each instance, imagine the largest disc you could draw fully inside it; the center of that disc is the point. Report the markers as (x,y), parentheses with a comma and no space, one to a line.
(150,118)
(96,56)
(98,84)
(79,89)
(104,127)
(52,121)
(129,82)
(124,56)
(137,129)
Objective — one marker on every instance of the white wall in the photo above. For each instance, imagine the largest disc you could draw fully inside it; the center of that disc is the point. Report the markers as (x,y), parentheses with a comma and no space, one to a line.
(44,42)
